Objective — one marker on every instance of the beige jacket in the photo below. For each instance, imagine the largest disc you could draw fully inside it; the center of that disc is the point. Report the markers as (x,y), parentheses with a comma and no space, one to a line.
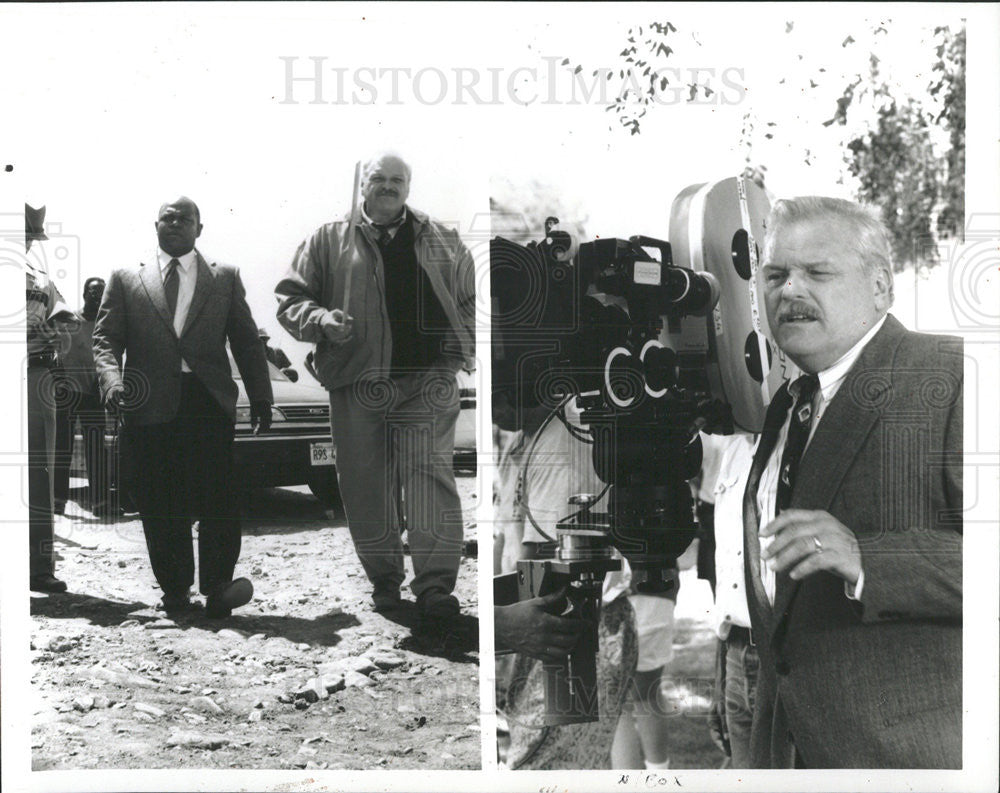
(316,283)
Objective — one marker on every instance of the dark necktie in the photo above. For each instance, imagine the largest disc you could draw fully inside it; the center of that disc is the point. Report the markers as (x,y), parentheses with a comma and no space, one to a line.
(384,232)
(798,434)
(170,283)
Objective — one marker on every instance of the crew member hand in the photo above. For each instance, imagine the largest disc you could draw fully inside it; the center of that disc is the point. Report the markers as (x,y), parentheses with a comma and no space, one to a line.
(532,627)
(336,325)
(806,541)
(260,416)
(113,400)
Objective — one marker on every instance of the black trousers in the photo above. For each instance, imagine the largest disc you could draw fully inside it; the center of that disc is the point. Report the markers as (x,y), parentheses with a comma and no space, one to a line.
(88,410)
(706,542)
(41,450)
(183,471)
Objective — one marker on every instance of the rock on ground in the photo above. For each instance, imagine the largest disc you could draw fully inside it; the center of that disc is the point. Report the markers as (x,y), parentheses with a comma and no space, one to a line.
(116,684)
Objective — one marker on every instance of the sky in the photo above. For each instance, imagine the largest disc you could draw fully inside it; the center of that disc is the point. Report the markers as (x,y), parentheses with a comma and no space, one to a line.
(110,109)
(121,110)
(629,187)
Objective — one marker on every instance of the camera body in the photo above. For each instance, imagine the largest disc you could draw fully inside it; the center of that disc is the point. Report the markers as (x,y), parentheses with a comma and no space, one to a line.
(655,341)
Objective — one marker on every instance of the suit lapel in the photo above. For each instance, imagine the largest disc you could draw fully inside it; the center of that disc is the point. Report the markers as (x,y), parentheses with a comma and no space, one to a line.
(776,413)
(202,288)
(842,431)
(149,274)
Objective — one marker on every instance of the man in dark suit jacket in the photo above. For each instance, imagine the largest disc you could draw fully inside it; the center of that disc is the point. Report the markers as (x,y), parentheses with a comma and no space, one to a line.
(853,548)
(170,319)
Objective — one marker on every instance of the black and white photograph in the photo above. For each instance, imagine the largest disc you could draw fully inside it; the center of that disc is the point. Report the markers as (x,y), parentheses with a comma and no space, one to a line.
(252,501)
(449,396)
(686,537)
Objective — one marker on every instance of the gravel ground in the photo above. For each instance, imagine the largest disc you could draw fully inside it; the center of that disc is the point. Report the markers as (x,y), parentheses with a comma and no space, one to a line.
(305,676)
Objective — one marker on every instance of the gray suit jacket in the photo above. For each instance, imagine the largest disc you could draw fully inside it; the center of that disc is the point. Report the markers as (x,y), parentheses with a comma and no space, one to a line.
(875,683)
(134,323)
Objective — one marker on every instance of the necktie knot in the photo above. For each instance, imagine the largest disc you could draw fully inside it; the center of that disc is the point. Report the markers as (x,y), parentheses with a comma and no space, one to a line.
(384,232)
(805,388)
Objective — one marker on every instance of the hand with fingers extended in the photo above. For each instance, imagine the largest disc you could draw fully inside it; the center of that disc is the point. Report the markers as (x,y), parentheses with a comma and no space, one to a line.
(536,628)
(807,541)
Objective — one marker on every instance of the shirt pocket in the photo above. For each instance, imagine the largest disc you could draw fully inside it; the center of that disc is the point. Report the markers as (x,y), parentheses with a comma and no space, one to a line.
(724,484)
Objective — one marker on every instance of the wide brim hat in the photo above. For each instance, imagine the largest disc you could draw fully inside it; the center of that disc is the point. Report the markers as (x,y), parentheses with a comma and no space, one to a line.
(34,224)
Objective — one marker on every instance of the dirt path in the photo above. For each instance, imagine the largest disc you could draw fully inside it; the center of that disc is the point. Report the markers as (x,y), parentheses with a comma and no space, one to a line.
(306,676)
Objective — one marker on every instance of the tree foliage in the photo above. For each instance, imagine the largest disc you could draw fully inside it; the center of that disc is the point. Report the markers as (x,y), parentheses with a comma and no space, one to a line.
(896,170)
(905,154)
(645,75)
(949,86)
(920,192)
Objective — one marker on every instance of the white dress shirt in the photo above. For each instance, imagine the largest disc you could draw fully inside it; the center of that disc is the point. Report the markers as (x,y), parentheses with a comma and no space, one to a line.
(830,380)
(187,277)
(730,581)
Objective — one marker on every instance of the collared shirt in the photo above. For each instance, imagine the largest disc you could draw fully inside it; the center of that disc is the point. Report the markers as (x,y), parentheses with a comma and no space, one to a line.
(187,275)
(830,380)
(391,227)
(712,447)
(730,582)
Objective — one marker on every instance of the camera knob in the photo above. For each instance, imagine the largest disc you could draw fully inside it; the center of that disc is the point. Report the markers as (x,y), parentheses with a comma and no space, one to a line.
(583,500)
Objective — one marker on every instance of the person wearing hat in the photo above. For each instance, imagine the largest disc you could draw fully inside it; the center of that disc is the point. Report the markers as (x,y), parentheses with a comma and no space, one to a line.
(277,356)
(44,307)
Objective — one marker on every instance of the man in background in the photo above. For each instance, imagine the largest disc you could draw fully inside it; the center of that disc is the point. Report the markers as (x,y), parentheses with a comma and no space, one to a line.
(78,376)
(45,308)
(277,356)
(737,661)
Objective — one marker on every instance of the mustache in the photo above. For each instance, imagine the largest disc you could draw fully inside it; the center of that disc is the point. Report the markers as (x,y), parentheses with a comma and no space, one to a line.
(393,193)
(797,309)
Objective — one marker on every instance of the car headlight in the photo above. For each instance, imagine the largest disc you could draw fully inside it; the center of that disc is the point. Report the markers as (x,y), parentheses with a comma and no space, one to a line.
(243,414)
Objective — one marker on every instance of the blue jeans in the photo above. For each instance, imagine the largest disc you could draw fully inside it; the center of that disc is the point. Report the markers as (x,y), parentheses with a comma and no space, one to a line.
(742,664)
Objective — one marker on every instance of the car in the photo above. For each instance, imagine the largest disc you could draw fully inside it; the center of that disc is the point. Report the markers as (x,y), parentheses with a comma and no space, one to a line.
(298,449)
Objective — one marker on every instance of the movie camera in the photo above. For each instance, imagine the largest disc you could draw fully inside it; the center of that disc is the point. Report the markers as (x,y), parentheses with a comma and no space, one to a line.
(655,341)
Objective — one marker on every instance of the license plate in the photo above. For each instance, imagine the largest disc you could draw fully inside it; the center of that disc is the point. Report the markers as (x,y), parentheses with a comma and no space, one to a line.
(321,454)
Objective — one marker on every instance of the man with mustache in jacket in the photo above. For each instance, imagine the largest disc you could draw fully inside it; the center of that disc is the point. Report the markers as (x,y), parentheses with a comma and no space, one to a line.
(852,511)
(392,320)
